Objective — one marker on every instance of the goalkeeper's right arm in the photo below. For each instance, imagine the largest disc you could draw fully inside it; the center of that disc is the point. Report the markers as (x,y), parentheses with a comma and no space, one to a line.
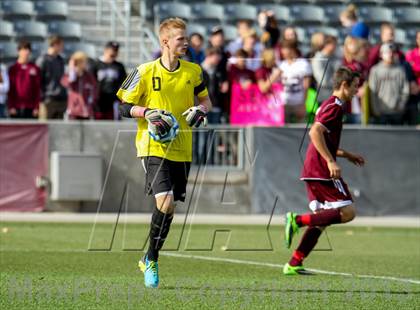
(131,111)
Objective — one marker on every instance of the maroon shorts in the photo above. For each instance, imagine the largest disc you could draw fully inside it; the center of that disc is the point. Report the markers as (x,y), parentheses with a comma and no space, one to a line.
(328,194)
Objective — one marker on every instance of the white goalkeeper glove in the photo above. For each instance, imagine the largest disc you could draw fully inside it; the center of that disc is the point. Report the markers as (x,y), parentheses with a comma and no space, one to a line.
(196,116)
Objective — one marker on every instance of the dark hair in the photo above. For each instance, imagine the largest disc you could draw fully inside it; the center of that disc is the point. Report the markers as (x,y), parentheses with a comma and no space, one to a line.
(196,34)
(212,51)
(241,53)
(291,44)
(344,74)
(24,45)
(330,39)
(54,39)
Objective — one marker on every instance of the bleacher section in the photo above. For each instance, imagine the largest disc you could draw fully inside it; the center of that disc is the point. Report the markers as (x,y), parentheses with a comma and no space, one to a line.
(75,20)
(35,21)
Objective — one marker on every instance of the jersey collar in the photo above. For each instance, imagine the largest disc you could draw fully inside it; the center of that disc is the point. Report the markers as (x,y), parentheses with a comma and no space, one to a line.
(338,101)
(177,67)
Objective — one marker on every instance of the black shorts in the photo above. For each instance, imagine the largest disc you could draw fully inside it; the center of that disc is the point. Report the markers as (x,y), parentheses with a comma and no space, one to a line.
(165,176)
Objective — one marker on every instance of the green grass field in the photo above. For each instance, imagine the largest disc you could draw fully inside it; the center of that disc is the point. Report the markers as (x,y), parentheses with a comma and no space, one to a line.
(48,266)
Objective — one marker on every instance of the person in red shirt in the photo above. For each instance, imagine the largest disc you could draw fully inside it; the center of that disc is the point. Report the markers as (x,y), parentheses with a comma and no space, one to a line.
(82,88)
(269,73)
(239,73)
(413,58)
(25,85)
(329,197)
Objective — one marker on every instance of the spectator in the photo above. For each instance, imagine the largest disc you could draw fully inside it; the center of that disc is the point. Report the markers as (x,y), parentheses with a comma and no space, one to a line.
(387,36)
(214,81)
(389,88)
(239,73)
(25,85)
(217,40)
(270,28)
(4,89)
(53,94)
(242,27)
(110,74)
(354,57)
(268,73)
(296,78)
(195,52)
(413,58)
(317,43)
(81,87)
(350,22)
(253,48)
(289,34)
(324,65)
(412,66)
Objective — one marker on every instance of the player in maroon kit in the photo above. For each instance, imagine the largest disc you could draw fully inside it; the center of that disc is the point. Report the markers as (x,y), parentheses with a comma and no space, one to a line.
(329,197)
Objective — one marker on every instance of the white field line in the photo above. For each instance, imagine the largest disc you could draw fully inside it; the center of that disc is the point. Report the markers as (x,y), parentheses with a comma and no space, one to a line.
(254,263)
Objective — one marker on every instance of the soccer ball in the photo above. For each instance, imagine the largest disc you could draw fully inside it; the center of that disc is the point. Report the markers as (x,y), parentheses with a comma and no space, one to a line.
(170,135)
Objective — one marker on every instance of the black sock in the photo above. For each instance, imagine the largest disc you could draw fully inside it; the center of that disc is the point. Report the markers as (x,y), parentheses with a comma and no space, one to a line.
(159,229)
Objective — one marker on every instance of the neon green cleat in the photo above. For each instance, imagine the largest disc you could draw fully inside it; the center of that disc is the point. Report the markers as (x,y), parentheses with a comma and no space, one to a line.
(293,270)
(290,228)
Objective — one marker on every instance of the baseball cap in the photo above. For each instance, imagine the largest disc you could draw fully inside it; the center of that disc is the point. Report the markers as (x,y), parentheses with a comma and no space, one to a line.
(388,47)
(216,30)
(112,44)
(360,31)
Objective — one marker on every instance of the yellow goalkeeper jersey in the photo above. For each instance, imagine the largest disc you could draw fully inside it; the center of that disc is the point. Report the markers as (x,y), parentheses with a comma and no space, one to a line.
(151,85)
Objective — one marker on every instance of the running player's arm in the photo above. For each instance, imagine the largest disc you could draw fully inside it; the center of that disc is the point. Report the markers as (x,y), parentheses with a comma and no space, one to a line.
(356,159)
(200,90)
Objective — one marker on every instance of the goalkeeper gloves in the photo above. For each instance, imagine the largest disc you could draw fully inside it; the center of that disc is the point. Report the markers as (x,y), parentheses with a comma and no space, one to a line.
(196,116)
(160,121)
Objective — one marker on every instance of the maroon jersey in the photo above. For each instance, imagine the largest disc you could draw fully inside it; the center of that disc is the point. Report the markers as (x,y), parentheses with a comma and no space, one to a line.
(329,115)
(25,86)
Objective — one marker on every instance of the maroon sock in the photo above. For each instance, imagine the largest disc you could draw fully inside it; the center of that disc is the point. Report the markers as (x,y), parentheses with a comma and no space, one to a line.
(307,243)
(322,218)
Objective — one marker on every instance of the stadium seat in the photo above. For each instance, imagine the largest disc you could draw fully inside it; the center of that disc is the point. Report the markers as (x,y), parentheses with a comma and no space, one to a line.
(325,3)
(169,9)
(70,31)
(332,14)
(51,10)
(363,3)
(326,30)
(30,30)
(307,15)
(208,12)
(406,16)
(238,11)
(196,28)
(281,12)
(375,15)
(71,47)
(6,30)
(294,2)
(230,32)
(13,10)
(38,48)
(399,3)
(8,52)
(301,34)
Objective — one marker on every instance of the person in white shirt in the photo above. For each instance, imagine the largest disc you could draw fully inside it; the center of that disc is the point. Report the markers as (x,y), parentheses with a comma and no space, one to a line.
(296,78)
(4,89)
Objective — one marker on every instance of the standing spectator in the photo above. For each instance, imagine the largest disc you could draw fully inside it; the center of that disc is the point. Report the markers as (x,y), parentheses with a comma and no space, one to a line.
(268,73)
(355,54)
(25,85)
(195,52)
(412,66)
(387,36)
(389,88)
(317,43)
(110,74)
(4,89)
(253,48)
(354,27)
(214,81)
(239,73)
(81,87)
(322,71)
(217,40)
(296,78)
(271,32)
(242,27)
(53,94)
(289,34)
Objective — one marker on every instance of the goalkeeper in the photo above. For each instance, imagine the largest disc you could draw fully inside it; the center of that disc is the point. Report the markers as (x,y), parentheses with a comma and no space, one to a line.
(160,95)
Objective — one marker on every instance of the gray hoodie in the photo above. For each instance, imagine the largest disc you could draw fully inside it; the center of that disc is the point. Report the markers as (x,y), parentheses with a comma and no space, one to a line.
(389,89)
